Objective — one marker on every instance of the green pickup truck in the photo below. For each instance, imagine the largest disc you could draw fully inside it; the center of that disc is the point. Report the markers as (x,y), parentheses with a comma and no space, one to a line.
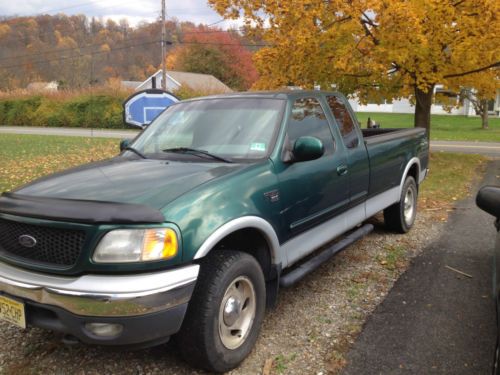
(200,220)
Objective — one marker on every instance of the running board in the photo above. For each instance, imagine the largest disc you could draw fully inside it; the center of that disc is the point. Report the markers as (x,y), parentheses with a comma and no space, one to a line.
(307,267)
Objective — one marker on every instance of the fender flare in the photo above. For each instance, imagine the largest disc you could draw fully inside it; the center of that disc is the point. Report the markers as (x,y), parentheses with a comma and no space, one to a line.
(246,222)
(410,164)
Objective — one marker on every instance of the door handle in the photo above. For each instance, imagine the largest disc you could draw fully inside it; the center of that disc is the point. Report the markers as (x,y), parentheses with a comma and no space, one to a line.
(342,170)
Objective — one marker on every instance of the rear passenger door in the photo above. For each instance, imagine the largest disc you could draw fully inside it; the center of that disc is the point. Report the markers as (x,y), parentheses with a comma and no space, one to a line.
(311,191)
(356,153)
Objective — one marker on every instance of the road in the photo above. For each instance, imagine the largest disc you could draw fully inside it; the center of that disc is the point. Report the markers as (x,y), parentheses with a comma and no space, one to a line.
(483,148)
(435,320)
(70,132)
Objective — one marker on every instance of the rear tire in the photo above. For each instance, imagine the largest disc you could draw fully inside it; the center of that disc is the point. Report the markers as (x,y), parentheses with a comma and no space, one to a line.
(225,313)
(400,216)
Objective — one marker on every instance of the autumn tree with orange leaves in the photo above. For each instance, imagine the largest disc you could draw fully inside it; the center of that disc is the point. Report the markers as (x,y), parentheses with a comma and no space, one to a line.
(394,48)
(217,52)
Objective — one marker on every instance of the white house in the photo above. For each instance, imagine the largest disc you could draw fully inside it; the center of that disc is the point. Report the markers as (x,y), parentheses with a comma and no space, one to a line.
(43,86)
(205,83)
(438,108)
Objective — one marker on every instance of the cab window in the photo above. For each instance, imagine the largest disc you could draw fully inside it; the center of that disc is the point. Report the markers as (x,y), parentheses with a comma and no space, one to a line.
(344,121)
(308,119)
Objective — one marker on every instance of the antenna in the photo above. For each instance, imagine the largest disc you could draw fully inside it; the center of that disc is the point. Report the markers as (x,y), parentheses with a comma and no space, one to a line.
(163,48)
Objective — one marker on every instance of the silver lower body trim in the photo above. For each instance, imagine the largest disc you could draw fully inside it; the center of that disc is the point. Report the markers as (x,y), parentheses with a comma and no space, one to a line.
(101,295)
(305,243)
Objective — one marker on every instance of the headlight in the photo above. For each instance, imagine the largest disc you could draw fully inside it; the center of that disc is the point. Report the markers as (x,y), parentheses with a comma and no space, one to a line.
(136,245)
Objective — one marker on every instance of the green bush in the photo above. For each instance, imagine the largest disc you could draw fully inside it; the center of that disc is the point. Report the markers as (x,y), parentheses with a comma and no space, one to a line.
(84,111)
(76,109)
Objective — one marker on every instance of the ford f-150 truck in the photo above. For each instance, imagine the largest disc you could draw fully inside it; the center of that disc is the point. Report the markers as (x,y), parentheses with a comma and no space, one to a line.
(193,228)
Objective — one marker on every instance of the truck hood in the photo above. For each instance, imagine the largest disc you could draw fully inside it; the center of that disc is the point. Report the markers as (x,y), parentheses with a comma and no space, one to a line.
(146,181)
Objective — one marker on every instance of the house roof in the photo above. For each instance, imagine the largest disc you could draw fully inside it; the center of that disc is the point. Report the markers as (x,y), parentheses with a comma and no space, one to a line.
(206,83)
(199,82)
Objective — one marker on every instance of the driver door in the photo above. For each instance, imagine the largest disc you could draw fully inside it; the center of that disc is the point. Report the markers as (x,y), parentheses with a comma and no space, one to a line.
(312,191)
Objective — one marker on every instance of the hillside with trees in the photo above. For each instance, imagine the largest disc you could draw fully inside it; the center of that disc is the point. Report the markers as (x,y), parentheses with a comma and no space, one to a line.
(78,52)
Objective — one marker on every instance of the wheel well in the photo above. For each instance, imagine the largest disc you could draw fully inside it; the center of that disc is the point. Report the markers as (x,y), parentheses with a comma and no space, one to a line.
(414,172)
(250,241)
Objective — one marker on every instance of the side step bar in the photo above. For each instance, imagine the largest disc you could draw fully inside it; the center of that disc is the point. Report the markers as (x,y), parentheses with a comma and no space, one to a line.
(307,267)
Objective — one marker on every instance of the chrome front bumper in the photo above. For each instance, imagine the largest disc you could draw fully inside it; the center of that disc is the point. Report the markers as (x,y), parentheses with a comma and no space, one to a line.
(102,295)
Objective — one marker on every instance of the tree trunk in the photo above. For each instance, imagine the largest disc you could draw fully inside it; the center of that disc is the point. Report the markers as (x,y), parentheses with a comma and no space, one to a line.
(484,113)
(423,108)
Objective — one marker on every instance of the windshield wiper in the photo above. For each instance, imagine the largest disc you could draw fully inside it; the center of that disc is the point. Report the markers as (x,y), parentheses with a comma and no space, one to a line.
(197,152)
(137,152)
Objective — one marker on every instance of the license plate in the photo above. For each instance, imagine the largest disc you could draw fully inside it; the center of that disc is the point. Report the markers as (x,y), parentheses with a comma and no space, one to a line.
(12,311)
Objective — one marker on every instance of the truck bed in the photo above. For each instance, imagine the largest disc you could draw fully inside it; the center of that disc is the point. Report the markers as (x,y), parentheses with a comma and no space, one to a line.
(378,135)
(388,151)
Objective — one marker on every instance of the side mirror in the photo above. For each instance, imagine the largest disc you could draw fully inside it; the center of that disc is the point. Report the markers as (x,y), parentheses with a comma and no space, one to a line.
(488,199)
(307,148)
(124,144)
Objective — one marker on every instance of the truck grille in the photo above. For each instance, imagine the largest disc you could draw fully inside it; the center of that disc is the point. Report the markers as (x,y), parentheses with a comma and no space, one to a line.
(53,246)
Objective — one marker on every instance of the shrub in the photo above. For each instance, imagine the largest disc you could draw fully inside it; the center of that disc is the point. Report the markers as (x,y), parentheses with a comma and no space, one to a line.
(102,109)
(97,108)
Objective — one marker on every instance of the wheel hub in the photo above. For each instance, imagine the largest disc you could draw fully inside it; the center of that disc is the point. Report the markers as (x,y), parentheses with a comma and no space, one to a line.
(232,310)
(409,206)
(237,312)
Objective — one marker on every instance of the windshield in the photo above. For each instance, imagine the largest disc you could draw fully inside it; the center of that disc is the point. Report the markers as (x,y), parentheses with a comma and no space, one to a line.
(236,129)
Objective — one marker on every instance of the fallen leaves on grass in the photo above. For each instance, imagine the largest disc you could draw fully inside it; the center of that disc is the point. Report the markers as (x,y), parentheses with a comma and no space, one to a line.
(33,157)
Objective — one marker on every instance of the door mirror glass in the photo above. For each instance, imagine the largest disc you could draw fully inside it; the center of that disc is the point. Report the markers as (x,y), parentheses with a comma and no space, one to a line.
(307,148)
(124,144)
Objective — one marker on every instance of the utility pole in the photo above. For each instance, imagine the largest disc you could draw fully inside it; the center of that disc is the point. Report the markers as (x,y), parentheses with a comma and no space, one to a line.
(163,48)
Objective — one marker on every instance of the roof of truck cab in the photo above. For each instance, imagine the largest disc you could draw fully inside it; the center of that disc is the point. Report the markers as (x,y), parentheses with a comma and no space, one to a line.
(284,94)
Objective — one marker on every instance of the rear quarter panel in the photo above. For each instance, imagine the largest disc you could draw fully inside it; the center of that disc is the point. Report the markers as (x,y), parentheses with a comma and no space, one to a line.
(389,154)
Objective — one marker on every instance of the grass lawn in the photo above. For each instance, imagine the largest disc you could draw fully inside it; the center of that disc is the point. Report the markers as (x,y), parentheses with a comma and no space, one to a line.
(450,178)
(26,157)
(443,127)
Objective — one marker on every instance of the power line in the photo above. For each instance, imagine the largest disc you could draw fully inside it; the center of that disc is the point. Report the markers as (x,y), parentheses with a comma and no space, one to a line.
(99,44)
(66,49)
(87,17)
(217,22)
(229,44)
(91,53)
(16,17)
(131,1)
(58,9)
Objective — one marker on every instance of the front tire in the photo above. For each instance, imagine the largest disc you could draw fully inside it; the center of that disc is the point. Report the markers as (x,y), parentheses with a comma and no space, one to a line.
(225,313)
(400,217)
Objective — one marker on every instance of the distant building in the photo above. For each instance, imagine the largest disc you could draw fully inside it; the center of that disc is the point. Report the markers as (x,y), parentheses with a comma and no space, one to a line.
(205,83)
(43,86)
(442,99)
(496,107)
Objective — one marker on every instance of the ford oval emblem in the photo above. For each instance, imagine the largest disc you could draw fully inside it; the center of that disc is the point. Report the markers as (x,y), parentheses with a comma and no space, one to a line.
(27,240)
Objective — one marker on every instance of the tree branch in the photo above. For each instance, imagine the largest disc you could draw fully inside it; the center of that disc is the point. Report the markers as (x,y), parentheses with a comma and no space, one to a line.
(368,20)
(494,65)
(340,20)
(458,3)
(369,33)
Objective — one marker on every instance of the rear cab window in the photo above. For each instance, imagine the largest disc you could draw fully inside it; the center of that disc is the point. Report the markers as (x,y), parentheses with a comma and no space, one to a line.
(345,122)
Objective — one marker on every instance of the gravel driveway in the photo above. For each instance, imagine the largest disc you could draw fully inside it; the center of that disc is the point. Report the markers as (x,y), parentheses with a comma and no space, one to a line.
(309,332)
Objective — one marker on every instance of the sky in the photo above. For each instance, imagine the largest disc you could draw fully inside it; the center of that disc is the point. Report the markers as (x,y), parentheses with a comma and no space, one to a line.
(134,11)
